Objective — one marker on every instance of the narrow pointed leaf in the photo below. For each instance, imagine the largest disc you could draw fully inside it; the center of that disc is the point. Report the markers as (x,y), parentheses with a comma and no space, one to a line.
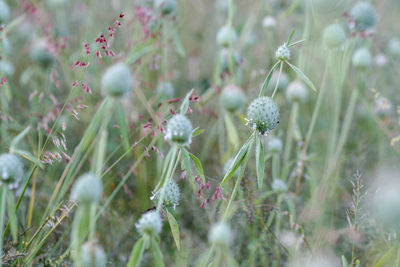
(157,254)
(123,127)
(174,229)
(198,166)
(233,135)
(12,216)
(137,254)
(267,79)
(185,103)
(302,76)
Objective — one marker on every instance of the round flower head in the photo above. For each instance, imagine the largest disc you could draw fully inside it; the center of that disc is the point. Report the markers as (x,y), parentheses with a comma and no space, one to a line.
(166,6)
(11,170)
(381,60)
(165,90)
(283,81)
(334,36)
(364,16)
(278,185)
(232,98)
(362,59)
(93,255)
(172,194)
(394,47)
(4,12)
(263,115)
(6,68)
(297,92)
(220,235)
(274,145)
(150,223)
(179,130)
(269,22)
(87,189)
(117,80)
(283,52)
(41,54)
(226,36)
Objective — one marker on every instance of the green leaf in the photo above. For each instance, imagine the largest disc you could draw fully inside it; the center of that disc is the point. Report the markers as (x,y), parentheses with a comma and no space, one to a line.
(384,258)
(12,215)
(344,261)
(18,138)
(28,156)
(197,131)
(157,254)
(302,76)
(233,136)
(174,229)
(140,51)
(198,166)
(267,79)
(185,103)
(290,37)
(137,253)
(260,163)
(237,161)
(186,165)
(178,44)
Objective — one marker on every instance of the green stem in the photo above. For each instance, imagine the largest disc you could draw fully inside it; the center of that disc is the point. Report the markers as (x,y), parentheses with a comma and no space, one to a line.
(279,77)
(2,215)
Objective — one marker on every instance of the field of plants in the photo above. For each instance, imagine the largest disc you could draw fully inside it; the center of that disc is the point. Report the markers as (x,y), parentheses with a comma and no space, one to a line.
(200,133)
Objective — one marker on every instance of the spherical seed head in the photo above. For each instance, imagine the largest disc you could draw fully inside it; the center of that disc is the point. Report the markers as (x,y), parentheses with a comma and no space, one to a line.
(150,223)
(278,185)
(232,98)
(117,80)
(220,235)
(166,6)
(41,54)
(226,36)
(394,47)
(172,194)
(4,12)
(364,16)
(283,52)
(87,189)
(263,115)
(274,145)
(362,59)
(165,90)
(179,130)
(269,22)
(11,170)
(283,81)
(334,36)
(6,68)
(93,255)
(297,92)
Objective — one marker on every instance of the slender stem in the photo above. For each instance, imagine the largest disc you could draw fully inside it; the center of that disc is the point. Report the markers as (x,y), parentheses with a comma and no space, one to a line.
(2,215)
(279,77)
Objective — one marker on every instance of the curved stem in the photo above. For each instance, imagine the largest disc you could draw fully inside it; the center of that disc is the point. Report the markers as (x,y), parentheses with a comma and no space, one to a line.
(277,82)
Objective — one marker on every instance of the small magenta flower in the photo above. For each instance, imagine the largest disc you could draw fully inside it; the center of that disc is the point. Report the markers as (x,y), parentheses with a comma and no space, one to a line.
(179,130)
(4,12)
(40,53)
(150,223)
(274,145)
(263,115)
(93,255)
(165,90)
(117,80)
(362,59)
(283,53)
(297,92)
(364,16)
(220,235)
(87,189)
(226,36)
(334,36)
(232,98)
(11,170)
(166,6)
